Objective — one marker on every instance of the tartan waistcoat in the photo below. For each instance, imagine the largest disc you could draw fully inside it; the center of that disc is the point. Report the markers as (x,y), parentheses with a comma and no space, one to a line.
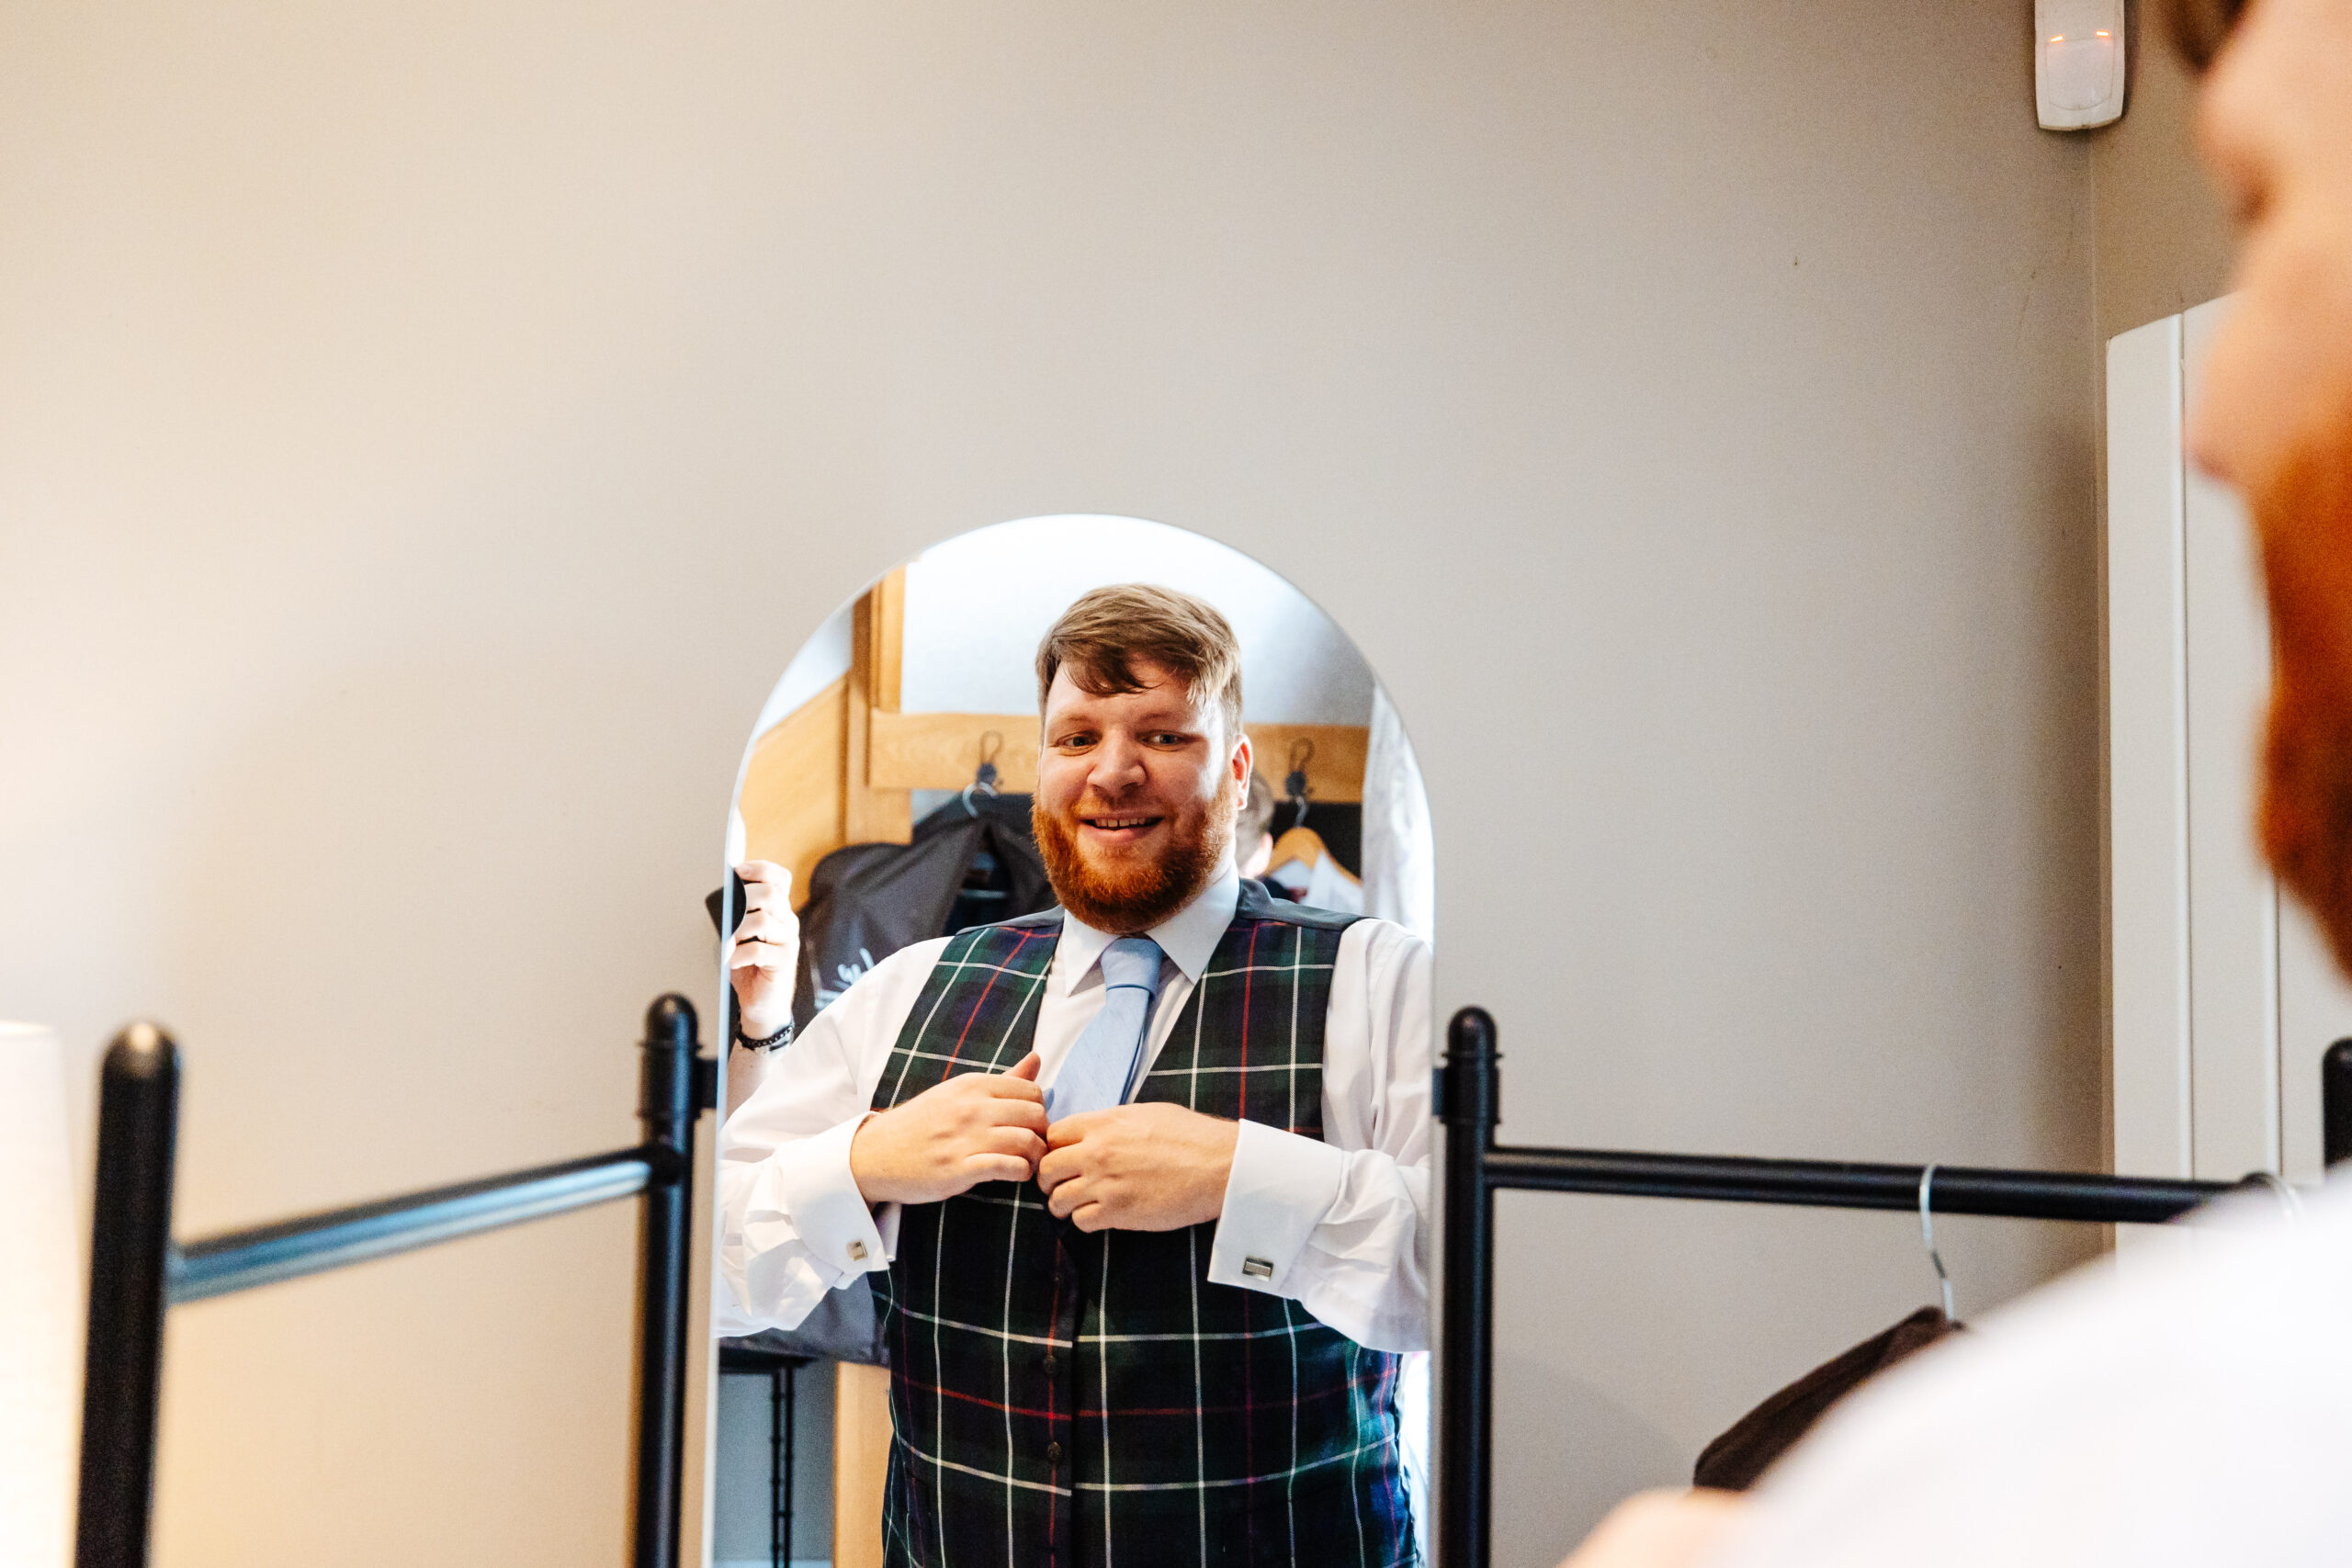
(1066,1400)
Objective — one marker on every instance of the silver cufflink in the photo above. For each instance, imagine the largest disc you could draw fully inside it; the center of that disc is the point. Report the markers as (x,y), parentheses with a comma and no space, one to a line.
(1257,1268)
(857,1252)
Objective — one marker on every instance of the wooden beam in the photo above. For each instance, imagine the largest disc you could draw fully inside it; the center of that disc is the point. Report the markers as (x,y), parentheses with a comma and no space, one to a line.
(872,812)
(792,790)
(890,638)
(861,1462)
(1334,771)
(942,750)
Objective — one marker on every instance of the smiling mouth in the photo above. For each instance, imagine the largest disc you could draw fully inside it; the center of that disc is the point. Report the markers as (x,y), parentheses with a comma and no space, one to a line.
(1120,824)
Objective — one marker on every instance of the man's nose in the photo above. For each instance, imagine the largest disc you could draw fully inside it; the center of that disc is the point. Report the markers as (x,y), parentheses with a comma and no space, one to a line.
(1118,766)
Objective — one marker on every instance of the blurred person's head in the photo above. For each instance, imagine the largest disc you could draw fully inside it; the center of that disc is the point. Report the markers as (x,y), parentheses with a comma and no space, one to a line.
(1254,828)
(2275,414)
(1142,763)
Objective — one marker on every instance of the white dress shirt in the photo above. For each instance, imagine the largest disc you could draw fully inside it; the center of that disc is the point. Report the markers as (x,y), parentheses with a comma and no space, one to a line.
(2187,1410)
(1342,1221)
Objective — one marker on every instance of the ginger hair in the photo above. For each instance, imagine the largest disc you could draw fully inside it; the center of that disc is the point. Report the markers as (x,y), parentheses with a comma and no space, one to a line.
(1098,638)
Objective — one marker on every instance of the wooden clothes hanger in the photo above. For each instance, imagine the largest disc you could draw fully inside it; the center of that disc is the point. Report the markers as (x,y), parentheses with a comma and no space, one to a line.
(1301,845)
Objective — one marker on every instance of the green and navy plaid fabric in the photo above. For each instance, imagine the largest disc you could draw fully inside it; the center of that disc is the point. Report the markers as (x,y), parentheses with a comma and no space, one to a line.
(1063,1400)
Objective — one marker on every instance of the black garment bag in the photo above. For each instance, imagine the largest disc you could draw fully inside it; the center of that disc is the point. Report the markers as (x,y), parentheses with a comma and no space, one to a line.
(971,862)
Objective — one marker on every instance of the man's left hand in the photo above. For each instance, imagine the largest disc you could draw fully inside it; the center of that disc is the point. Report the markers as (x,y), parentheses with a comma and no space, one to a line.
(1138,1168)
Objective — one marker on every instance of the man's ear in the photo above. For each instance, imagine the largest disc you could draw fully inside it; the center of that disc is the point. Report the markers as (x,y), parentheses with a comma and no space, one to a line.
(1242,762)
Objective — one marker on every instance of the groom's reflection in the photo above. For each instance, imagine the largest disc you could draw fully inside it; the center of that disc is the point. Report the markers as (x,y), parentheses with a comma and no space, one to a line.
(1141,1179)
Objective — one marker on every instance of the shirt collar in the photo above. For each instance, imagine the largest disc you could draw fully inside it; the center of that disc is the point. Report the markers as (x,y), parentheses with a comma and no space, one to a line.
(1188,936)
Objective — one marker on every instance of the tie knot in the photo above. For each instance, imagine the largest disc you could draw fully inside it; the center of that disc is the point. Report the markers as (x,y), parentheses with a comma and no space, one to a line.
(1132,961)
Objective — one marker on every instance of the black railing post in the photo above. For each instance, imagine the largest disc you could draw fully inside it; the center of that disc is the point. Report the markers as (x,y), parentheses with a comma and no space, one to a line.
(1469,1096)
(2336,1102)
(130,1240)
(791,1442)
(667,1111)
(779,1469)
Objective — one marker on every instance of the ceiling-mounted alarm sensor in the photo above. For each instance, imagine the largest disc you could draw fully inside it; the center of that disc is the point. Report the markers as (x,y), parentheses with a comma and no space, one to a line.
(2078,62)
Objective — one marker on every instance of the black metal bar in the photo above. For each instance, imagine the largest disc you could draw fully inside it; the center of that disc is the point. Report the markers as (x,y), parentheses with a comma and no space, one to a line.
(1958,1189)
(791,1440)
(1468,1105)
(2336,1103)
(130,1235)
(667,1111)
(778,1533)
(315,1243)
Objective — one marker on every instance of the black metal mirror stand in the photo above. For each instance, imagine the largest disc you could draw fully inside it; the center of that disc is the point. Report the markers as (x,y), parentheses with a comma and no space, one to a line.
(136,1272)
(130,1238)
(1468,1095)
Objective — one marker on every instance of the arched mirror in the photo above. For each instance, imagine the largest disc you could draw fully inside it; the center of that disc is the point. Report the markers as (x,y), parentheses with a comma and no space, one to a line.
(1075,1172)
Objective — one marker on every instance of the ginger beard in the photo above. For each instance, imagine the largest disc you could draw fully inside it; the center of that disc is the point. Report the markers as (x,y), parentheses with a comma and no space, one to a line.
(2304,517)
(2276,417)
(1125,899)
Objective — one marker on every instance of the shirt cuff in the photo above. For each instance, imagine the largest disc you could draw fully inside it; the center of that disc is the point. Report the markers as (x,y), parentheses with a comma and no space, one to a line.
(814,1181)
(1281,1186)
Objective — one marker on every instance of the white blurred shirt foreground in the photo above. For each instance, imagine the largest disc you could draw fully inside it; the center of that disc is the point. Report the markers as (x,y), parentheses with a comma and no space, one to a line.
(2188,1404)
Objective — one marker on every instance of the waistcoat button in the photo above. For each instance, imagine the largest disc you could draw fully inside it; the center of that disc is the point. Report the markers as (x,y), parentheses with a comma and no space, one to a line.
(1054,1452)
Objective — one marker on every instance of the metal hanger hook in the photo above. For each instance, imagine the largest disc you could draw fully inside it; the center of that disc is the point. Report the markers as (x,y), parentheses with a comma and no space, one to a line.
(1302,752)
(984,781)
(2290,1203)
(1927,1237)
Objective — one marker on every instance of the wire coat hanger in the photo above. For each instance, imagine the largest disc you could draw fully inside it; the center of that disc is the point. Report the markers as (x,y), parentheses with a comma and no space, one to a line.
(983,780)
(2290,1203)
(1295,785)
(1928,1236)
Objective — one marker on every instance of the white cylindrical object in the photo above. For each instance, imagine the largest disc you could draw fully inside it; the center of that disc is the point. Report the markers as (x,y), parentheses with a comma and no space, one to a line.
(41,1302)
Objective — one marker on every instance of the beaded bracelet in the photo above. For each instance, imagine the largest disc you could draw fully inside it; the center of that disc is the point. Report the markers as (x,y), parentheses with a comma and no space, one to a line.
(781,1037)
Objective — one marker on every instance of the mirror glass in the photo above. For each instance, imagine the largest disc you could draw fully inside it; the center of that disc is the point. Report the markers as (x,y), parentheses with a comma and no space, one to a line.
(1110,1218)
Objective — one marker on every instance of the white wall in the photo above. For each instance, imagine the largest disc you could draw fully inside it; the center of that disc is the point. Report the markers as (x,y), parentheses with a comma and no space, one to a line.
(976,605)
(425,433)
(818,663)
(2163,241)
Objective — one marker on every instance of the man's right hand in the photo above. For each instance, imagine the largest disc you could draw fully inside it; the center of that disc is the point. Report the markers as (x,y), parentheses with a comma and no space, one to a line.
(764,956)
(975,1127)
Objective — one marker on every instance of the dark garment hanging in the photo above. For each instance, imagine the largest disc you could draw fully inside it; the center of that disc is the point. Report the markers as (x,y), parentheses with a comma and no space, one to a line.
(968,866)
(1339,824)
(1275,889)
(1733,1461)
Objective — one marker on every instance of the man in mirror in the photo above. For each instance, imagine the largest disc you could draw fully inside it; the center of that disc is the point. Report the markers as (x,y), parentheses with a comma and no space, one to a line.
(2192,1411)
(1141,1182)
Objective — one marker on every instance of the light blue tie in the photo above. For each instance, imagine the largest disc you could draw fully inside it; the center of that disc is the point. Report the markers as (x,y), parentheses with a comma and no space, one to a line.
(1102,1064)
